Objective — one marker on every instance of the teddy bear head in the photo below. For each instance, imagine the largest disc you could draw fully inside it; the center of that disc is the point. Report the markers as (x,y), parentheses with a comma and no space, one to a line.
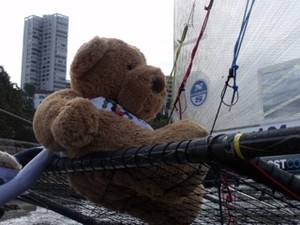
(111,68)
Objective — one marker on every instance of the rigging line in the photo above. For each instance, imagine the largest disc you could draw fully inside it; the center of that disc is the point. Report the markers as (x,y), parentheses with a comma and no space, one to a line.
(173,71)
(273,180)
(188,71)
(219,108)
(237,47)
(227,197)
(183,36)
(234,66)
(15,116)
(219,186)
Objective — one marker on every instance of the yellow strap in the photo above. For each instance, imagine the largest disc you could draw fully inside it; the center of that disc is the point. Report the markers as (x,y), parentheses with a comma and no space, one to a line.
(236,145)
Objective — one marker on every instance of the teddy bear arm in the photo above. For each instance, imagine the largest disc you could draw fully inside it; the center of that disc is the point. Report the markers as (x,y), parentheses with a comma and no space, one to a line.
(45,115)
(76,125)
(179,131)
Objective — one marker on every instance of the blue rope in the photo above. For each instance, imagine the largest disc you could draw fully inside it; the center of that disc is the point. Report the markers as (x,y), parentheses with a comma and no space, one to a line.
(234,66)
(237,47)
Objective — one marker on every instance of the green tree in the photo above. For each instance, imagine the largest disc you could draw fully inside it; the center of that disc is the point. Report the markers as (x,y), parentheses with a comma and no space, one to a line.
(29,89)
(160,120)
(14,101)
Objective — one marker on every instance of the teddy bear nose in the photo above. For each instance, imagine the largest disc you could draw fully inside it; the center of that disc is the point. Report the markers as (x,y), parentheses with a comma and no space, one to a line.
(158,84)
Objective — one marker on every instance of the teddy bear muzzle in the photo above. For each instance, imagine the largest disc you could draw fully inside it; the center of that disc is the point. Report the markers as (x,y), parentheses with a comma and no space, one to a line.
(158,84)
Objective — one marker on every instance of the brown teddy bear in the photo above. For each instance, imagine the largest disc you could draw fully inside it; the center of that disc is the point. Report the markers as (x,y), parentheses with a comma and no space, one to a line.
(113,91)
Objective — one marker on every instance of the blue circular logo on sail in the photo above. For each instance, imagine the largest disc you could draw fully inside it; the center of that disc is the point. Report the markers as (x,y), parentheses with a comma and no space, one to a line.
(198,93)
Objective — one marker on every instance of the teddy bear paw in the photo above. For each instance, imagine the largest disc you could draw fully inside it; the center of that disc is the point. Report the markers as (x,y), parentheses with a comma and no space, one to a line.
(185,130)
(76,125)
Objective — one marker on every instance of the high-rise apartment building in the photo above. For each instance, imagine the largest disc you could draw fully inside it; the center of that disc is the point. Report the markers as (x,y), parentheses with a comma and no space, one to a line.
(44,60)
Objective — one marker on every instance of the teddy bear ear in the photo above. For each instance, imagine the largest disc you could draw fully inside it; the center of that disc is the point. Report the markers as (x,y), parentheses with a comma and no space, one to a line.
(88,55)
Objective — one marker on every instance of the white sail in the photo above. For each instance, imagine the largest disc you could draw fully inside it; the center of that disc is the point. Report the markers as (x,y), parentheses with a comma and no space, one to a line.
(269,62)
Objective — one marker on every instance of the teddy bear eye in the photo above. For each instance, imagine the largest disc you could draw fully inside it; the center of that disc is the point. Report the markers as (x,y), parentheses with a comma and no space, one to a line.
(129,67)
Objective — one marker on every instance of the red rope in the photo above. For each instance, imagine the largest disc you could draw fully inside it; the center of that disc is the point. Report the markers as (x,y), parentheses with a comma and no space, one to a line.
(274,181)
(227,198)
(182,86)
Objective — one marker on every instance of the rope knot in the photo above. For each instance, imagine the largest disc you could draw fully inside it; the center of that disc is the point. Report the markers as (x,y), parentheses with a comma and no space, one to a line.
(232,71)
(235,88)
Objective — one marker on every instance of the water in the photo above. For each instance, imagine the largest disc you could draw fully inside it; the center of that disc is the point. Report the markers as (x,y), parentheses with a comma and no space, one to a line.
(40,216)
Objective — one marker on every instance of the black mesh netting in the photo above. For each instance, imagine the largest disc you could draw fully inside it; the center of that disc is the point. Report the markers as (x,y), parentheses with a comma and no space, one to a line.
(238,189)
(229,199)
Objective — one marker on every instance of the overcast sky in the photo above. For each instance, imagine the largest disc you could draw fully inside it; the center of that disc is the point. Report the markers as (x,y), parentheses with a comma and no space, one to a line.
(147,24)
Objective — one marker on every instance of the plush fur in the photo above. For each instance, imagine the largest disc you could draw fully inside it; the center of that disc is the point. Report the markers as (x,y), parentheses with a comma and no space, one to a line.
(8,161)
(67,121)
